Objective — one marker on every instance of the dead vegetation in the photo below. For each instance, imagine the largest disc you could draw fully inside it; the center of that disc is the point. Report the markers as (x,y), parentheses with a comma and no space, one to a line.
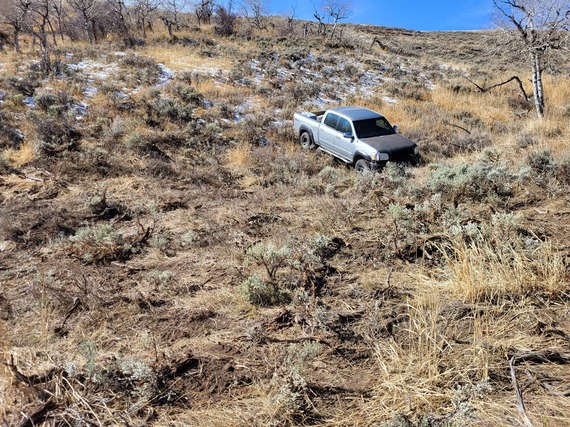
(170,256)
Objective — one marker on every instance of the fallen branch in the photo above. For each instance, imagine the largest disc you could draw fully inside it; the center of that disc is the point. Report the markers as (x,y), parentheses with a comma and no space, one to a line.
(536,357)
(298,340)
(30,380)
(520,402)
(390,324)
(541,357)
(39,415)
(59,329)
(545,381)
(456,126)
(382,45)
(558,332)
(487,89)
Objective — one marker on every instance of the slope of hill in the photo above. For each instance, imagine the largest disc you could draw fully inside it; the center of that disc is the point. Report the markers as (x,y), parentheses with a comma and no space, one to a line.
(160,266)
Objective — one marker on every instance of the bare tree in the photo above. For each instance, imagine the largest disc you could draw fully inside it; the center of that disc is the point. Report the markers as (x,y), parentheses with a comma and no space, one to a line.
(541,26)
(171,14)
(121,18)
(320,15)
(224,20)
(143,11)
(60,12)
(204,9)
(257,10)
(291,16)
(337,10)
(41,11)
(16,14)
(105,19)
(86,11)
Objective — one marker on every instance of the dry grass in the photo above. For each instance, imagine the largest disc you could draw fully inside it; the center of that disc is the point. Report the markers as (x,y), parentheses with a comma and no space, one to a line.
(20,157)
(483,272)
(180,58)
(393,317)
(240,155)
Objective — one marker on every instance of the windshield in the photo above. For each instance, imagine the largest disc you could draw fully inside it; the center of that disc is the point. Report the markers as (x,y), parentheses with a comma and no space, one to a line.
(370,128)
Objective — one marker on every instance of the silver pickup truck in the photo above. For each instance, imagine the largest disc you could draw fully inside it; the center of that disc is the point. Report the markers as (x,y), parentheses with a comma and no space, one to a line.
(355,135)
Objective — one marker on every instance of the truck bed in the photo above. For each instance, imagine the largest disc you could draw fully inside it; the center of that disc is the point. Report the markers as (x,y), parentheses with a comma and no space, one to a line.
(317,115)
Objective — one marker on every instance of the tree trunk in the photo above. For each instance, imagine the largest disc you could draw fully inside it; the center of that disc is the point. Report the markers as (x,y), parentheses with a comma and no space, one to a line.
(17,40)
(44,45)
(53,35)
(333,29)
(87,26)
(537,83)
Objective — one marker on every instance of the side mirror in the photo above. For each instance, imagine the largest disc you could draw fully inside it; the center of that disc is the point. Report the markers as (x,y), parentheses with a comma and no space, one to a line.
(395,127)
(347,135)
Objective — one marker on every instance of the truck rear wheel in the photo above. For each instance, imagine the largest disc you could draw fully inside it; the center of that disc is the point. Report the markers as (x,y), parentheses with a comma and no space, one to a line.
(362,166)
(306,141)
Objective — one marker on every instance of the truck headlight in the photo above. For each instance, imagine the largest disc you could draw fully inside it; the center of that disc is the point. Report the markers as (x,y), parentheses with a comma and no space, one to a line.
(381,157)
(416,150)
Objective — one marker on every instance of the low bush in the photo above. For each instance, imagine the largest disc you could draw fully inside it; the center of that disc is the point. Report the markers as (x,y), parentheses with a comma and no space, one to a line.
(103,244)
(478,181)
(546,167)
(468,142)
(263,293)
(56,136)
(10,137)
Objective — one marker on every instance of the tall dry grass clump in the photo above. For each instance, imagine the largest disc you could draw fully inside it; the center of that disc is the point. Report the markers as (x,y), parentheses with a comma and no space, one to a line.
(240,155)
(480,272)
(408,373)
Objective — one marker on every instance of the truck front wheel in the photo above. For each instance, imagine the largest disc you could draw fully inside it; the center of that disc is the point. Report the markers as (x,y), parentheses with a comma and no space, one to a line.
(362,166)
(306,141)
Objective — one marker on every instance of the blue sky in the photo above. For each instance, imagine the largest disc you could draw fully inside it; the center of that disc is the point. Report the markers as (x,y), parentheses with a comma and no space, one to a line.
(441,15)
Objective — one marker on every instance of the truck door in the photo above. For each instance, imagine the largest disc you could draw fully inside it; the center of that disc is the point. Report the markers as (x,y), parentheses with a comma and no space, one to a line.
(328,132)
(344,146)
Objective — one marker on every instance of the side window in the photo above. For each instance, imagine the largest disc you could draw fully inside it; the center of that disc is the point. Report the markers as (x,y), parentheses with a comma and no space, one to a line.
(343,125)
(331,120)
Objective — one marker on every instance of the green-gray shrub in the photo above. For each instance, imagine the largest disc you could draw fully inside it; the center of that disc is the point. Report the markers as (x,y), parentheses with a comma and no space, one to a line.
(103,244)
(541,162)
(263,293)
(270,257)
(477,181)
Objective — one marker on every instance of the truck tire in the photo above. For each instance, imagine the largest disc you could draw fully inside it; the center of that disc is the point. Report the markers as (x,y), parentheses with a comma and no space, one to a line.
(362,166)
(306,141)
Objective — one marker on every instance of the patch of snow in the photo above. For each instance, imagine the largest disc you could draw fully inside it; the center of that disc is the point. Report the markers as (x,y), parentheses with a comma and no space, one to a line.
(166,74)
(90,91)
(320,102)
(311,73)
(18,135)
(282,73)
(389,100)
(94,69)
(30,101)
(80,109)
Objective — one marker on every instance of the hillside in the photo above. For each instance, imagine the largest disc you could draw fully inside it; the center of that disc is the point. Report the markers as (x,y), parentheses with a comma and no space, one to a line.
(161,266)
